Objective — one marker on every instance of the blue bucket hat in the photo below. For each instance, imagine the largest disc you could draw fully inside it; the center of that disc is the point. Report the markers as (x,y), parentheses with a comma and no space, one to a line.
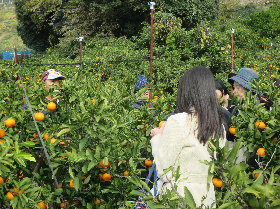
(244,76)
(141,82)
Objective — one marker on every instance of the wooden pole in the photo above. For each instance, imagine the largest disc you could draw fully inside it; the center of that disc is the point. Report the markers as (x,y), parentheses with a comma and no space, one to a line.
(81,58)
(152,4)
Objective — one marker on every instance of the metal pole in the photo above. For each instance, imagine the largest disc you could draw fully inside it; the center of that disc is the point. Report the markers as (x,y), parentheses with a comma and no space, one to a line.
(81,57)
(152,4)
(271,44)
(232,31)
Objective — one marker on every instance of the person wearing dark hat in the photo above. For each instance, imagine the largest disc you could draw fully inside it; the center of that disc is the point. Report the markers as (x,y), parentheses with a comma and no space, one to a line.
(140,83)
(52,77)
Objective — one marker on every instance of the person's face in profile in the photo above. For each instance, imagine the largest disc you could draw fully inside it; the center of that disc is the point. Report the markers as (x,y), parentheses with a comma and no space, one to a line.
(219,95)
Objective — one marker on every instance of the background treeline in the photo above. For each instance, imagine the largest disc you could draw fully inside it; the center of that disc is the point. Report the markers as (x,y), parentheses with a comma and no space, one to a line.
(197,31)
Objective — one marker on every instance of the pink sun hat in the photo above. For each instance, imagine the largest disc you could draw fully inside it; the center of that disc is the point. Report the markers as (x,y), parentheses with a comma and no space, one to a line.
(52,74)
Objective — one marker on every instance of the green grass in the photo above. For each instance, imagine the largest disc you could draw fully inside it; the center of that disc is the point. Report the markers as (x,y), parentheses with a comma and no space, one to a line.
(9,38)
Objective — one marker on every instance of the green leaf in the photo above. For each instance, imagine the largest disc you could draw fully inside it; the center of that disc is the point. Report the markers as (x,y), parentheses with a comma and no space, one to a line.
(83,143)
(20,161)
(92,164)
(212,146)
(71,173)
(271,179)
(226,205)
(275,203)
(145,186)
(58,191)
(189,198)
(267,190)
(76,183)
(234,151)
(136,192)
(89,206)
(27,156)
(237,168)
(14,202)
(64,131)
(252,191)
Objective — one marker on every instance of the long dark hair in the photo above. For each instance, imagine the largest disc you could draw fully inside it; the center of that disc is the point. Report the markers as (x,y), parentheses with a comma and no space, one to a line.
(197,90)
(221,86)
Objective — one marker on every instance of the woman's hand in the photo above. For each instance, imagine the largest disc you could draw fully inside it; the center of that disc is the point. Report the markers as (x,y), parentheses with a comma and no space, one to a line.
(157,131)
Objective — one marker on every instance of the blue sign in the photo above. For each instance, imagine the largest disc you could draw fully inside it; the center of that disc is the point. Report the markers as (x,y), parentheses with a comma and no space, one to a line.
(10,55)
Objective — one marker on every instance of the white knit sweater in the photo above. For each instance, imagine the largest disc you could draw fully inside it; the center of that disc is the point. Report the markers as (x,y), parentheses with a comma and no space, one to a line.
(179,142)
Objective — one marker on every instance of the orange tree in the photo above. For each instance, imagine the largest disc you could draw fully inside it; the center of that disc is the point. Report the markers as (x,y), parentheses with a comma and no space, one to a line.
(254,184)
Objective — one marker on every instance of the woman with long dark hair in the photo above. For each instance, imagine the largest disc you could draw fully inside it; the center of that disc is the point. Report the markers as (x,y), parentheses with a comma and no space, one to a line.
(185,135)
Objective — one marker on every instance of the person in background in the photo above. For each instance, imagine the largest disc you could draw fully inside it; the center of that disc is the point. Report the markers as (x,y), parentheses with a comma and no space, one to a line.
(184,137)
(52,77)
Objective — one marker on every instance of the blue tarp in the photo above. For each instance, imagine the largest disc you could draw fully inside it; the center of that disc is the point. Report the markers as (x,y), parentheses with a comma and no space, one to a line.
(10,55)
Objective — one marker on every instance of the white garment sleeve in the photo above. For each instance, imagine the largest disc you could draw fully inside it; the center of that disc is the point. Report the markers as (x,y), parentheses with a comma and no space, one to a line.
(166,147)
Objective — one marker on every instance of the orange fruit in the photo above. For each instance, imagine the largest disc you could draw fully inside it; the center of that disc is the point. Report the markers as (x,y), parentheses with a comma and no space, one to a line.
(217,182)
(42,205)
(161,92)
(232,130)
(46,136)
(34,135)
(10,122)
(106,177)
(98,201)
(95,85)
(51,106)
(71,184)
(103,169)
(1,180)
(84,177)
(53,140)
(63,205)
(261,152)
(10,196)
(21,191)
(125,173)
(260,125)
(15,193)
(101,164)
(2,133)
(93,100)
(148,163)
(39,116)
(77,202)
(160,124)
(274,140)
(255,175)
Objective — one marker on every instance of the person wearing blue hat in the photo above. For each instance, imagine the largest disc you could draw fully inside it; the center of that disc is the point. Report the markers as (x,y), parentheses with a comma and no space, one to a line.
(140,83)
(242,81)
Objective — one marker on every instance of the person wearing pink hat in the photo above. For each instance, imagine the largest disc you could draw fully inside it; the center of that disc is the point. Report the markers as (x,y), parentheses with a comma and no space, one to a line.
(52,77)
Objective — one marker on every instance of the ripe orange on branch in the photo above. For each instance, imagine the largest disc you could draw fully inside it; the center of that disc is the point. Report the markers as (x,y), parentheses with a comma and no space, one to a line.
(148,163)
(10,122)
(260,125)
(125,173)
(261,152)
(232,130)
(217,182)
(2,133)
(42,205)
(10,196)
(1,180)
(101,164)
(255,175)
(106,177)
(51,106)
(39,116)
